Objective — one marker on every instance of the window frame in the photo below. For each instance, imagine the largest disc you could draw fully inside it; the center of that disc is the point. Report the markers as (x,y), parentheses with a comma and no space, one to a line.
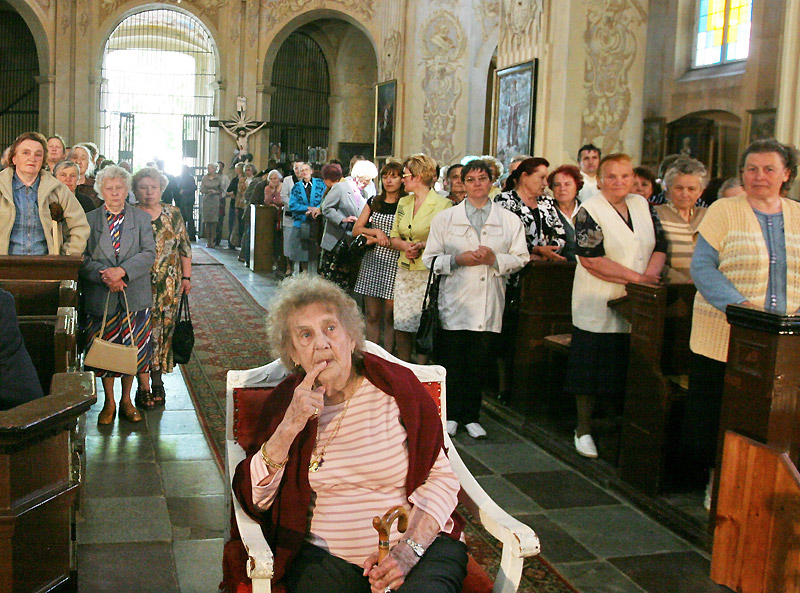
(722,49)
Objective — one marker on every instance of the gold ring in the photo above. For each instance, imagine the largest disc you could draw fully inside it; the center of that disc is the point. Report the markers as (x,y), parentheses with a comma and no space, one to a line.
(316,412)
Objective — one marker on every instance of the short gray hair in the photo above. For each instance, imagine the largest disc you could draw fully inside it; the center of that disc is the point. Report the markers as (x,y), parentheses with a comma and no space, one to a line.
(70,156)
(686,166)
(111,172)
(65,165)
(278,173)
(728,184)
(150,173)
(302,290)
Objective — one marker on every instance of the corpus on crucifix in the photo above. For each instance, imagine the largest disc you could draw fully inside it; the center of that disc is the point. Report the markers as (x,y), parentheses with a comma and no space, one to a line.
(240,128)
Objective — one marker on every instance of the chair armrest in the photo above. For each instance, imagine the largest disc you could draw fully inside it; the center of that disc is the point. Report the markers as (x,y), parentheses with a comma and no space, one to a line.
(519,540)
(260,563)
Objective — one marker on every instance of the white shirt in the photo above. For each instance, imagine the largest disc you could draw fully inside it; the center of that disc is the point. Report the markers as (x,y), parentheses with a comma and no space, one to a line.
(286,189)
(472,298)
(589,187)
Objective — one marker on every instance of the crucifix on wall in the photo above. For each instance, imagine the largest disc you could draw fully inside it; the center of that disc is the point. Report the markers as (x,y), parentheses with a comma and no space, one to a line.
(240,128)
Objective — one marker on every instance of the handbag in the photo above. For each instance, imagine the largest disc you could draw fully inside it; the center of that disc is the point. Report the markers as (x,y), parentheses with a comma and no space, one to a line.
(429,322)
(109,356)
(183,334)
(359,245)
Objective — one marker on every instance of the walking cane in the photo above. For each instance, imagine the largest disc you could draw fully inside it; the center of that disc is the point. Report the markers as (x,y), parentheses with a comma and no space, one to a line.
(383,525)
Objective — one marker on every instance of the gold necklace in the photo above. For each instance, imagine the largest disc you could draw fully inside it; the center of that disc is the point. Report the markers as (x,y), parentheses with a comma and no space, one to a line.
(318,458)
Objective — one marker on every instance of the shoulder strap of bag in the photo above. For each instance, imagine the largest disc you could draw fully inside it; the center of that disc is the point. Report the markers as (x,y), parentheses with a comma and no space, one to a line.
(430,283)
(127,315)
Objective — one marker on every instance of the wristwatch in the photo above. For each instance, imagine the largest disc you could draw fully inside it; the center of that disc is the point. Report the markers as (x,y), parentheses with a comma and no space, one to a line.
(418,549)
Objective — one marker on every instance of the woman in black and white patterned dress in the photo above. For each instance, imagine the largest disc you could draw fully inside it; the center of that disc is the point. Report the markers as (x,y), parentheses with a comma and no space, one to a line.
(379,266)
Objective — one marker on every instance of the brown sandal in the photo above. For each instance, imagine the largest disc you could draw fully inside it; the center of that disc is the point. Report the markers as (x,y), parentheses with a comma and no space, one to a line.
(145,400)
(159,396)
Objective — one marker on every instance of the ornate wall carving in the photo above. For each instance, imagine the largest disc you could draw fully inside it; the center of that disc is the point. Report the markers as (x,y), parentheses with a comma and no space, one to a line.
(83,16)
(210,8)
(489,11)
(45,4)
(443,45)
(521,18)
(391,55)
(278,10)
(611,46)
(65,9)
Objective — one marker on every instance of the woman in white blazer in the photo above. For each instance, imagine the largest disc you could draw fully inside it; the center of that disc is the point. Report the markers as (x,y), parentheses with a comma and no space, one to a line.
(619,240)
(475,246)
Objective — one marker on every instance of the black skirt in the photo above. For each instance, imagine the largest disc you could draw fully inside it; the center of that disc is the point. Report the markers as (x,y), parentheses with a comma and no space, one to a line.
(598,363)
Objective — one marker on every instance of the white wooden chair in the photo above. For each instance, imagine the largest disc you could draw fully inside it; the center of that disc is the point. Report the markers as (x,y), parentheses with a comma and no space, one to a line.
(518,540)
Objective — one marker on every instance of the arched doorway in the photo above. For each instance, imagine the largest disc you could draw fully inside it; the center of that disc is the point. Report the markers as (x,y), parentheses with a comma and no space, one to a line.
(323,75)
(300,114)
(19,91)
(157,92)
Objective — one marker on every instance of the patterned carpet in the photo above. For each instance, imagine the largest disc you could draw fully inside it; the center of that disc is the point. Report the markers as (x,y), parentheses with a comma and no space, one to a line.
(229,334)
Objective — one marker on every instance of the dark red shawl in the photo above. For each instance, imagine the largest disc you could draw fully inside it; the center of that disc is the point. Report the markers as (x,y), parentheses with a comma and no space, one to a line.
(285,523)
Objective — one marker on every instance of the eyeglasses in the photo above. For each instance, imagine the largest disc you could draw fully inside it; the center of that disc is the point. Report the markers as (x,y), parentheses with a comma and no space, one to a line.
(482,179)
(407,175)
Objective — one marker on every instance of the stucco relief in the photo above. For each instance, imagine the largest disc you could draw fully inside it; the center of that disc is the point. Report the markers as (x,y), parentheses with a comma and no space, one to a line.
(235,23)
(45,4)
(522,18)
(611,47)
(489,14)
(279,10)
(82,9)
(443,45)
(66,16)
(391,55)
(357,118)
(210,8)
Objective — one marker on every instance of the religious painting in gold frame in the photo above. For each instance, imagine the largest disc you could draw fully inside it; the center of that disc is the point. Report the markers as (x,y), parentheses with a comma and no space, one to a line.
(515,110)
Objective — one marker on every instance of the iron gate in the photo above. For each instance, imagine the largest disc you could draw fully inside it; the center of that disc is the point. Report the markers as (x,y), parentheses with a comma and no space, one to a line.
(126,137)
(19,91)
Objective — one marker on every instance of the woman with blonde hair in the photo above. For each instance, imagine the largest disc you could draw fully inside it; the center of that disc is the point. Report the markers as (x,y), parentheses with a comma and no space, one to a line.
(409,235)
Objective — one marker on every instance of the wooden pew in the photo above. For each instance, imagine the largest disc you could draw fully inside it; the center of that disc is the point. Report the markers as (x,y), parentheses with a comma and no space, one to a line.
(545,308)
(761,399)
(52,342)
(658,368)
(262,231)
(39,479)
(757,520)
(40,267)
(41,297)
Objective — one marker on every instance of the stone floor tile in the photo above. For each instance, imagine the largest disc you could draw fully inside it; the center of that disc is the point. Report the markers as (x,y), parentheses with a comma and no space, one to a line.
(560,489)
(127,568)
(131,448)
(126,479)
(598,577)
(173,422)
(616,531)
(191,478)
(117,520)
(198,564)
(495,433)
(557,544)
(507,497)
(668,573)
(475,467)
(197,517)
(181,447)
(516,457)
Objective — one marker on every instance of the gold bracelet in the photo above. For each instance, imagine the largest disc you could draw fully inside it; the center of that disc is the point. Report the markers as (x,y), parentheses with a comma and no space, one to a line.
(269,462)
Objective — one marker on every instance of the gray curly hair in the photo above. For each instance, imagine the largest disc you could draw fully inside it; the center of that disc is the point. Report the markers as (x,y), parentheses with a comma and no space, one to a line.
(151,173)
(686,166)
(302,290)
(111,172)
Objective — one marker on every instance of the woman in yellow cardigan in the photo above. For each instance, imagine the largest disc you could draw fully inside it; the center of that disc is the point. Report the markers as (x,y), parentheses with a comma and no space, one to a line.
(748,252)
(409,235)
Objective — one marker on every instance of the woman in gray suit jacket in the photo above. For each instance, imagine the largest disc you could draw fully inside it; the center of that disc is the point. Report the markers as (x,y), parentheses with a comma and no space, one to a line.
(116,266)
(341,206)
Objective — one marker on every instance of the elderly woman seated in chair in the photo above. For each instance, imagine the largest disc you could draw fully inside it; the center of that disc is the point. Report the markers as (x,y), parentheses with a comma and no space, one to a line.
(347,436)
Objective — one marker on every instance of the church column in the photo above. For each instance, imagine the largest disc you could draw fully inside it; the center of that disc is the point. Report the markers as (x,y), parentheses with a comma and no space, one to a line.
(787,125)
(336,130)
(46,103)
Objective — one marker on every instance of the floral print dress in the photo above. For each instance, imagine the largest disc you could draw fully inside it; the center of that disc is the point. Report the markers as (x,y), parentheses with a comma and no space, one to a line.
(172,243)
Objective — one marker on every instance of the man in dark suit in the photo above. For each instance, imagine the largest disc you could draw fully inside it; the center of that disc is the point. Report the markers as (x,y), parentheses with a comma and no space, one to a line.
(18,380)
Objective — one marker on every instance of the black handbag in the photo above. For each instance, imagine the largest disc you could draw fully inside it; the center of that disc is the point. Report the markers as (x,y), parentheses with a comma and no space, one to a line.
(359,247)
(429,322)
(183,335)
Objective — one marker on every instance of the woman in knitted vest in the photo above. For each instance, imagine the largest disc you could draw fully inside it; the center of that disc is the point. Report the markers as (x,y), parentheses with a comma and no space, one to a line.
(748,252)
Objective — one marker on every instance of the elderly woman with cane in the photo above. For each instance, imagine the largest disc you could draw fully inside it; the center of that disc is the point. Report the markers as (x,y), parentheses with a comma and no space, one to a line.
(347,436)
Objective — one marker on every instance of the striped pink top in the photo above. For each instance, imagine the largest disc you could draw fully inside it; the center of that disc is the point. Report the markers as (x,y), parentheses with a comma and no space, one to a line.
(363,475)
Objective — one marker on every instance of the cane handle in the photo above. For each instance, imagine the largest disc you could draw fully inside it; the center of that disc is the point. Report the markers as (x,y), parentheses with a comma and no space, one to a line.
(383,525)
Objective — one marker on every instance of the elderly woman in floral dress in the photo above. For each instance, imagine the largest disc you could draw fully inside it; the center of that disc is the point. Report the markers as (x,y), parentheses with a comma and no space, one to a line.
(171,276)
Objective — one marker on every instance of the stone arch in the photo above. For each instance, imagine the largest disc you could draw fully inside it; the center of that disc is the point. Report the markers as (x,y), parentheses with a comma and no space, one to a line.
(33,18)
(344,41)
(111,22)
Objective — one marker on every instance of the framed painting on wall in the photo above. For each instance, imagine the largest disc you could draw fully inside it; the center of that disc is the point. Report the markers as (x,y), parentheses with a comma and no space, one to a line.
(761,124)
(347,150)
(385,105)
(693,137)
(515,110)
(653,140)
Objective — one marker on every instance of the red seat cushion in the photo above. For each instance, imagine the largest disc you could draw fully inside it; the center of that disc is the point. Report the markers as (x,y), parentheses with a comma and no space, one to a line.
(248,408)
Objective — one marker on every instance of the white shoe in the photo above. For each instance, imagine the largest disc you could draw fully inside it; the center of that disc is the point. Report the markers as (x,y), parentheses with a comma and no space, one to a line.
(585,445)
(475,430)
(452,427)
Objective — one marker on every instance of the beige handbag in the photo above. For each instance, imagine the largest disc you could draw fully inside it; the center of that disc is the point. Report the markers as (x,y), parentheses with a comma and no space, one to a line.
(108,356)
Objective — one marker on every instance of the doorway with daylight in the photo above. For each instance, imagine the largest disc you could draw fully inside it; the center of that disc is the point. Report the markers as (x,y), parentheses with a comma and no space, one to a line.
(158,91)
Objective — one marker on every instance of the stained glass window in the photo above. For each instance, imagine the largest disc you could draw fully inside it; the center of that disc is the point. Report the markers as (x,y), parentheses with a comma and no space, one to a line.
(723,31)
